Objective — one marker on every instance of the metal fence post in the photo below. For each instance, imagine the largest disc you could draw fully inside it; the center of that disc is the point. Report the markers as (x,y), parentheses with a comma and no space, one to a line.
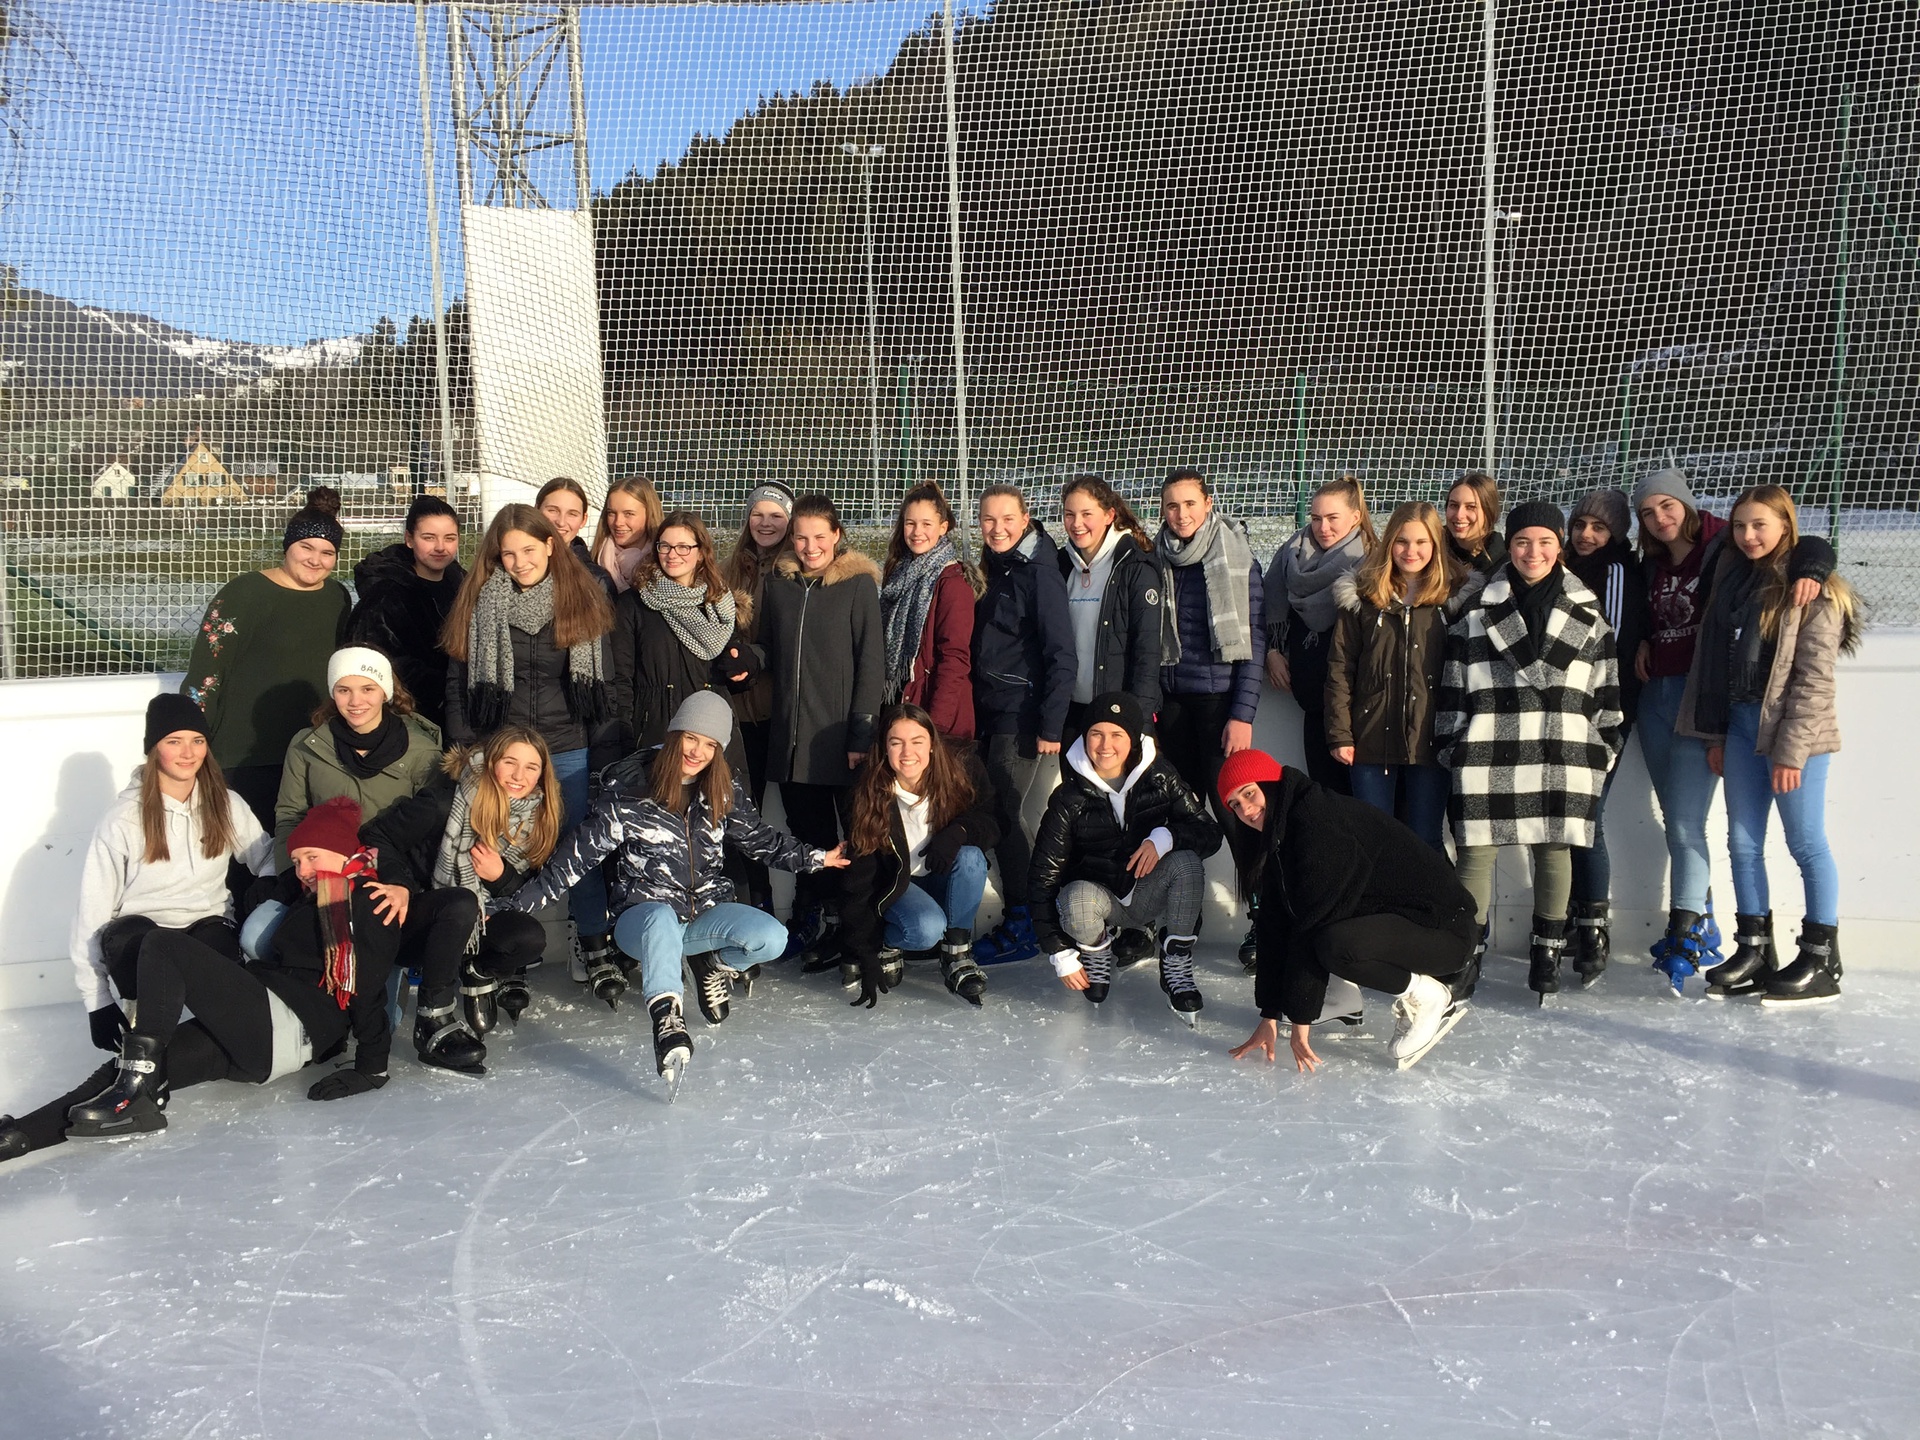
(1300,449)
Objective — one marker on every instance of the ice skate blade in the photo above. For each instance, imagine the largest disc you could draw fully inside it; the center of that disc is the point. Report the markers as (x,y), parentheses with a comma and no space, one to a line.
(672,1073)
(1587,982)
(113,1137)
(464,1072)
(1795,1002)
(1447,1022)
(1546,995)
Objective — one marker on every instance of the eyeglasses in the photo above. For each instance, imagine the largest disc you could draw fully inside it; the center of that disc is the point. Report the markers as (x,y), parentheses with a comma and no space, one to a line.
(675,549)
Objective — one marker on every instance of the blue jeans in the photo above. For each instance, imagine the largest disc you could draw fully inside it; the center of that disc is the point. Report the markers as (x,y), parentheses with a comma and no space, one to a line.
(1803,816)
(1684,786)
(652,934)
(1592,866)
(588,901)
(933,904)
(1428,788)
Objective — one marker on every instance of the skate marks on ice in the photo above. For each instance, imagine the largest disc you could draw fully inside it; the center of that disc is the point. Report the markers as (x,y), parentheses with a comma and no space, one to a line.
(1039,1218)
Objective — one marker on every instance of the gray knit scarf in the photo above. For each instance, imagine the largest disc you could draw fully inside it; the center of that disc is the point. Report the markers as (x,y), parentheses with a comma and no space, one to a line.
(702,626)
(1226,560)
(905,602)
(454,866)
(1308,573)
(504,607)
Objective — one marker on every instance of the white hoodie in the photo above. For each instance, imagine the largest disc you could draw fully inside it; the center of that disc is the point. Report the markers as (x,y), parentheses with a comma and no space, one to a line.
(185,887)
(1068,961)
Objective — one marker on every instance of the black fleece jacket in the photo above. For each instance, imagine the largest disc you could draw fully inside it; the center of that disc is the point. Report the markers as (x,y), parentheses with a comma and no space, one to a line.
(1324,858)
(400,613)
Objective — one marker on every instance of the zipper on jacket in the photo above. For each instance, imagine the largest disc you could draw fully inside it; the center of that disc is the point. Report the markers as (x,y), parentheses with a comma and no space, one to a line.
(799,645)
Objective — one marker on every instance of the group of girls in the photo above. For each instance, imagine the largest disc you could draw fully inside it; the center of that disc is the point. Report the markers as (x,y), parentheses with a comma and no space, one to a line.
(1485,684)
(595,727)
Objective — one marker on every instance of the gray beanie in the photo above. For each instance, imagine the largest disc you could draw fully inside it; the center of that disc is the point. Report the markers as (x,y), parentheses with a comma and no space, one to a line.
(705,712)
(1609,507)
(1671,481)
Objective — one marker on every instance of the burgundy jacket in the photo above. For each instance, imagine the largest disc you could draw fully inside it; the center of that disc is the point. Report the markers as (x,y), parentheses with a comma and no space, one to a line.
(942,682)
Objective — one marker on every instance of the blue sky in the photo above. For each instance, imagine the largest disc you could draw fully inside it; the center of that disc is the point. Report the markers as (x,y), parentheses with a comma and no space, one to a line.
(250,169)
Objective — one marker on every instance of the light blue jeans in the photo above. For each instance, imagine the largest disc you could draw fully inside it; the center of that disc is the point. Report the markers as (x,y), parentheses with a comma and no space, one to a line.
(1803,816)
(652,934)
(1684,785)
(587,902)
(933,904)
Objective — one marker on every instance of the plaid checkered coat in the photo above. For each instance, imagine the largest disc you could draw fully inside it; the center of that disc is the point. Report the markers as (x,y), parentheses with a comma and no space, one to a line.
(1529,737)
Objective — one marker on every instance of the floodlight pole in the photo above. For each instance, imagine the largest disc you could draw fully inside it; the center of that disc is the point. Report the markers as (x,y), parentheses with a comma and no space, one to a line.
(577,98)
(866,155)
(1490,342)
(1505,300)
(440,373)
(962,486)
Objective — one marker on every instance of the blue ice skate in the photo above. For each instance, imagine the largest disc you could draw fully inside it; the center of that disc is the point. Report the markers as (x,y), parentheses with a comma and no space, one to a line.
(1691,944)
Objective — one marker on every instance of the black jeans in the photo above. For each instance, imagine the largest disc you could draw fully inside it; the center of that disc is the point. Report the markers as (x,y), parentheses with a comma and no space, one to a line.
(749,876)
(1189,733)
(1011,762)
(1384,952)
(121,941)
(1592,866)
(434,938)
(819,815)
(1307,656)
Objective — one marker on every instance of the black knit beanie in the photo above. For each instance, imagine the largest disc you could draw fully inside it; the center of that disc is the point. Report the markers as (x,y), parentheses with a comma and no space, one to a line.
(1117,707)
(316,520)
(1536,515)
(168,713)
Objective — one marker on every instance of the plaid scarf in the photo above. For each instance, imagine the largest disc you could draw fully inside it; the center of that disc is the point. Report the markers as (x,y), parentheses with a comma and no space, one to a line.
(454,865)
(905,602)
(333,890)
(1220,549)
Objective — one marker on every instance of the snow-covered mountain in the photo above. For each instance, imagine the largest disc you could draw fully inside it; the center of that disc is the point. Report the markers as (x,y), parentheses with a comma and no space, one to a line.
(50,343)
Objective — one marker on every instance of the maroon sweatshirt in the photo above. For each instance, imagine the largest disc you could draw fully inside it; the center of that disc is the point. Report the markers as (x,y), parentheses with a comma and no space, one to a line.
(1673,600)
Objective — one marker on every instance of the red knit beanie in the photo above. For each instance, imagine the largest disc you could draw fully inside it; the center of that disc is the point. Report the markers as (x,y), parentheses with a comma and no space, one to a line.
(331,825)
(1246,767)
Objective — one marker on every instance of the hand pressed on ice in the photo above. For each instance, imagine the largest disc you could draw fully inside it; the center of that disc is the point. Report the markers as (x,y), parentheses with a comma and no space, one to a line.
(390,902)
(1278,672)
(487,863)
(836,858)
(1143,860)
(1301,1043)
(1237,736)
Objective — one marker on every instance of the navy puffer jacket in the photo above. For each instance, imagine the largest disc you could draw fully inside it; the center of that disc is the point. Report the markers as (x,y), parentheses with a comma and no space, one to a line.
(1023,660)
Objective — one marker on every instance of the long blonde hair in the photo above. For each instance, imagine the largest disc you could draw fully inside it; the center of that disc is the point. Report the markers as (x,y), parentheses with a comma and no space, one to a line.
(642,490)
(216,815)
(1776,594)
(1349,489)
(1375,577)
(490,816)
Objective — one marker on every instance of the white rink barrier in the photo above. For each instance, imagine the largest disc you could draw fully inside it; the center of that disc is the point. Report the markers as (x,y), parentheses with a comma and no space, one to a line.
(72,744)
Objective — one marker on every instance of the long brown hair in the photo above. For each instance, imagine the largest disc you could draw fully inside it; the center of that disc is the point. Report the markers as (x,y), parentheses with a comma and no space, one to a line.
(216,815)
(489,816)
(1690,528)
(1349,489)
(948,791)
(715,782)
(642,490)
(1776,594)
(927,493)
(580,609)
(1377,581)
(744,566)
(401,702)
(1486,492)
(1109,499)
(706,564)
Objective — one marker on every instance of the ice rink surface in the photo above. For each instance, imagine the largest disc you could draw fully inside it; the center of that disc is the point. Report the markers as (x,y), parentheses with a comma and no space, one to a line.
(1618,1217)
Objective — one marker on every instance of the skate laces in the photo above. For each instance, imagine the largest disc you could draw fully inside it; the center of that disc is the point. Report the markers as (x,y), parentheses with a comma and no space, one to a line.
(1176,965)
(1098,961)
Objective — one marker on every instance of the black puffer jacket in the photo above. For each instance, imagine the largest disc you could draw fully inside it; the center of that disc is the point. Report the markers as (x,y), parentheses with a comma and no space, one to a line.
(825,646)
(661,856)
(594,567)
(1080,839)
(296,972)
(1127,652)
(407,838)
(400,613)
(1327,858)
(653,672)
(1023,660)
(871,884)
(542,700)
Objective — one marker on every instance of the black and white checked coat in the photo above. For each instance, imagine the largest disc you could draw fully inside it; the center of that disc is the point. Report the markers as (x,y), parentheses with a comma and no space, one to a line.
(1529,737)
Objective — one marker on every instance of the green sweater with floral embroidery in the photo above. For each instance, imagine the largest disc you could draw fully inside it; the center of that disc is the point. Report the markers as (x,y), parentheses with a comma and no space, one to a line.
(259,664)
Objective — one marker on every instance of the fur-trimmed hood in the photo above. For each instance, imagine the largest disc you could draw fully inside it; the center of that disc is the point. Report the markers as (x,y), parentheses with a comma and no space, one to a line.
(1346,594)
(845,565)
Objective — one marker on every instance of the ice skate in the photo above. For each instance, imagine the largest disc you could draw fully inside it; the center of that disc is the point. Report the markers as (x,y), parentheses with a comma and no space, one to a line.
(1543,956)
(744,979)
(893,968)
(808,929)
(1176,978)
(604,975)
(1098,963)
(1135,947)
(712,985)
(1814,976)
(513,996)
(1250,950)
(672,1046)
(1592,941)
(479,1001)
(441,1039)
(1420,1017)
(1012,939)
(1753,963)
(957,968)
(576,957)
(824,954)
(1342,1005)
(13,1140)
(1463,984)
(134,1103)
(1691,944)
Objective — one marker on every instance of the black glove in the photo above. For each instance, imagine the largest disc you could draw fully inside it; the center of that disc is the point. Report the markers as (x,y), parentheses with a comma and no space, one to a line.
(736,661)
(342,1083)
(109,1027)
(873,984)
(943,849)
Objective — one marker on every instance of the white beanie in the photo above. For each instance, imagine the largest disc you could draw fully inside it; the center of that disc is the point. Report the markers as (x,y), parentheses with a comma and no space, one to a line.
(360,660)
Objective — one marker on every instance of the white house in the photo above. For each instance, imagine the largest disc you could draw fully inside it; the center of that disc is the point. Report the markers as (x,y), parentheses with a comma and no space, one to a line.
(116,482)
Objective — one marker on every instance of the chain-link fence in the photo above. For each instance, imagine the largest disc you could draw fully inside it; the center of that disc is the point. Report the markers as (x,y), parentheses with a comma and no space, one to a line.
(1273,240)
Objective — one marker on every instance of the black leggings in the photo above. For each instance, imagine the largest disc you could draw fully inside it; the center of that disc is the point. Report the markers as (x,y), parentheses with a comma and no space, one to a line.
(1385,952)
(818,815)
(514,940)
(434,938)
(1307,657)
(121,942)
(1189,732)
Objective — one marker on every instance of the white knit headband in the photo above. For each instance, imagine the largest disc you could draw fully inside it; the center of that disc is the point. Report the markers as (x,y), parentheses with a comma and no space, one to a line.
(359,660)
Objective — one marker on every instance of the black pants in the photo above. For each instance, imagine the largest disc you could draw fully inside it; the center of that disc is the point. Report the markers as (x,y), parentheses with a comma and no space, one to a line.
(749,876)
(259,786)
(1189,733)
(434,938)
(1307,655)
(821,816)
(1011,763)
(1385,952)
(178,972)
(121,941)
(513,941)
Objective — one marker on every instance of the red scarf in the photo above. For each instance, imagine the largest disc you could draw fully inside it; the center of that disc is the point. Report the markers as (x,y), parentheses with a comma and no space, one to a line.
(334,893)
